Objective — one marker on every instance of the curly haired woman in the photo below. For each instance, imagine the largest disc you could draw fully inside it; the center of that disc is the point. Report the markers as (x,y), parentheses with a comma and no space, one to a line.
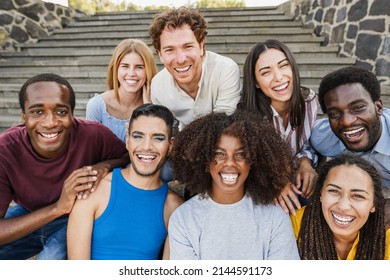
(237,165)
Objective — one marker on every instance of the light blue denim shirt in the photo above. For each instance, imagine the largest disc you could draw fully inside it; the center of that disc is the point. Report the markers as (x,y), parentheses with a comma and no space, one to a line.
(325,142)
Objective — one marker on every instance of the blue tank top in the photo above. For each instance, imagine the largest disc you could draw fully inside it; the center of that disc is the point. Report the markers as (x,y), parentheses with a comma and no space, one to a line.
(132,226)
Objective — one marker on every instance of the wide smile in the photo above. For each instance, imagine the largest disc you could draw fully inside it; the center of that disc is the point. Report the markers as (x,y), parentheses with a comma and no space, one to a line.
(131,82)
(354,135)
(281,87)
(182,70)
(49,137)
(342,220)
(146,158)
(229,178)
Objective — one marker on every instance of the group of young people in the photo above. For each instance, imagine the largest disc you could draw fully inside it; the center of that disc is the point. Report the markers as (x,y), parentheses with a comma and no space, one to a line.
(266,179)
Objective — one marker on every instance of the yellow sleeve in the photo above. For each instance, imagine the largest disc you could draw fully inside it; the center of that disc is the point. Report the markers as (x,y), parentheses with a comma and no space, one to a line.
(387,245)
(297,220)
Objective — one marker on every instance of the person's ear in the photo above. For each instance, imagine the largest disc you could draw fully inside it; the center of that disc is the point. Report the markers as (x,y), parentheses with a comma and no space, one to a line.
(171,141)
(372,209)
(202,49)
(22,118)
(379,107)
(127,140)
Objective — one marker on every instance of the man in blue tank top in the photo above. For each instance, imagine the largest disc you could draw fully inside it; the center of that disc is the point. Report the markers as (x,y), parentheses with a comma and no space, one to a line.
(127,216)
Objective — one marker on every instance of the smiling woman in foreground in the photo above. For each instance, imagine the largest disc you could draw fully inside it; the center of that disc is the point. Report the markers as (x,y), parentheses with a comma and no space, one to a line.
(345,219)
(237,165)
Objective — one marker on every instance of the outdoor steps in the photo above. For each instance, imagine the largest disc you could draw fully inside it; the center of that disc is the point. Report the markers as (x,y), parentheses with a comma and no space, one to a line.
(82,51)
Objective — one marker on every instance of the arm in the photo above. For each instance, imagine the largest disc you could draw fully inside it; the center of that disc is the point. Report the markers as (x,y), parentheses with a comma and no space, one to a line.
(15,228)
(79,231)
(229,90)
(180,246)
(283,245)
(288,199)
(81,220)
(306,178)
(102,169)
(172,202)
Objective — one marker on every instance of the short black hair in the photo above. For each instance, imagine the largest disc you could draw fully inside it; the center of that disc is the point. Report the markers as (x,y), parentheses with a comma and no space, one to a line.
(154,110)
(349,75)
(46,77)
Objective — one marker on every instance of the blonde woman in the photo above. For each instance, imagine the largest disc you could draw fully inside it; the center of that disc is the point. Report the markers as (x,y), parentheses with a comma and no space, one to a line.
(129,74)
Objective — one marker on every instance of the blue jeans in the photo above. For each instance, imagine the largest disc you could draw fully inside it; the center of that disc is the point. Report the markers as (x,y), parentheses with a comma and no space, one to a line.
(49,241)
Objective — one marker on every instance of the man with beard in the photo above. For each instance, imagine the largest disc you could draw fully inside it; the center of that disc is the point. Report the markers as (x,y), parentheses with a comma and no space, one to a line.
(351,98)
(194,82)
(46,163)
(127,216)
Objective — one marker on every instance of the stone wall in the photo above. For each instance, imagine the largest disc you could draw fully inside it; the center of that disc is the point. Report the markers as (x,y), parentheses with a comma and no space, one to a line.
(23,21)
(361,29)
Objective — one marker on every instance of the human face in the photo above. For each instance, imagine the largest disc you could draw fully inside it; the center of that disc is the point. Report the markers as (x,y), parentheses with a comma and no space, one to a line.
(131,73)
(148,145)
(182,55)
(347,199)
(48,118)
(353,116)
(274,76)
(229,170)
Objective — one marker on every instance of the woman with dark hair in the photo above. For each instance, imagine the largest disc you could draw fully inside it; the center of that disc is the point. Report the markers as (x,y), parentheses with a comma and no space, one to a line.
(345,217)
(272,89)
(236,165)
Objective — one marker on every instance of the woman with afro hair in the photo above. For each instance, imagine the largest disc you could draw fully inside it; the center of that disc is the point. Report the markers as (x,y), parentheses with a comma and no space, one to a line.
(345,218)
(236,165)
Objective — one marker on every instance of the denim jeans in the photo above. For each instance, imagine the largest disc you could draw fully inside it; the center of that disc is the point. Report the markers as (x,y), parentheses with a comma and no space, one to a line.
(48,242)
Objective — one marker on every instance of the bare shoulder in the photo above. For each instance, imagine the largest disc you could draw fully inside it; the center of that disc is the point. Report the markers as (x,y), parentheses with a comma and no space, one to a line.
(108,96)
(100,195)
(104,185)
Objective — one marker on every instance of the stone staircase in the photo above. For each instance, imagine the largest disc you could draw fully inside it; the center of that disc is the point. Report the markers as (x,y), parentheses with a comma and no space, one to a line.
(82,51)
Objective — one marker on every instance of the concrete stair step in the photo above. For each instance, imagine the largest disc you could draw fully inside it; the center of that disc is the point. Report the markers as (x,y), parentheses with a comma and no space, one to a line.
(106,47)
(232,30)
(11,91)
(229,35)
(100,26)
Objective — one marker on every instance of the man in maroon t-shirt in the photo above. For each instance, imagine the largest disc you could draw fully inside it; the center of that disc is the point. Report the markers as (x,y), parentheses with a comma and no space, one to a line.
(46,163)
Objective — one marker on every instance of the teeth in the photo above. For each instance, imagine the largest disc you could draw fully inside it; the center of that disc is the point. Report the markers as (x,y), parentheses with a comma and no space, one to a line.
(281,87)
(52,135)
(349,133)
(342,220)
(183,69)
(131,82)
(229,177)
(146,157)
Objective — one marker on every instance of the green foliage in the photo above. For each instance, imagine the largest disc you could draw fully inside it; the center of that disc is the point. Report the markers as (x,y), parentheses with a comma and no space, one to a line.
(219,3)
(94,6)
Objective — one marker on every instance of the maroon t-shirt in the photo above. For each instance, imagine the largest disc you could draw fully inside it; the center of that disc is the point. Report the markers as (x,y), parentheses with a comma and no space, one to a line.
(34,182)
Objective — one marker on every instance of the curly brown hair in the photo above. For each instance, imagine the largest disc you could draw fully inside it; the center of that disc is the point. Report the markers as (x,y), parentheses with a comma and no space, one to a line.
(315,239)
(175,18)
(269,156)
